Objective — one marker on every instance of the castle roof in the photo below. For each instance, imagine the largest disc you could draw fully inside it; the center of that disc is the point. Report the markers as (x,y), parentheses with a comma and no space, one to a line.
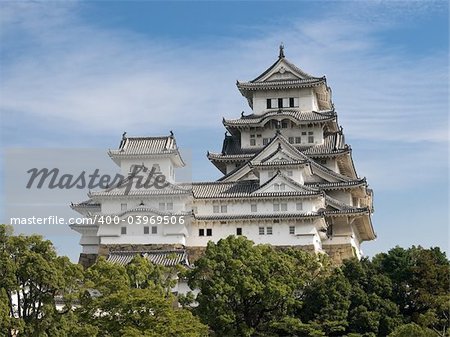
(244,189)
(283,74)
(293,114)
(160,257)
(147,147)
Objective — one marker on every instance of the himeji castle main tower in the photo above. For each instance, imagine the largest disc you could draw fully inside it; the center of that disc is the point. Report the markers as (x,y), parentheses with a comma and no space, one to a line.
(288,180)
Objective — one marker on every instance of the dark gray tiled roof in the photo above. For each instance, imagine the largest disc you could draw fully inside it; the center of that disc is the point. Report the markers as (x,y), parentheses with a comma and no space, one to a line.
(347,211)
(283,59)
(300,116)
(338,185)
(146,146)
(242,189)
(86,204)
(282,84)
(280,215)
(160,257)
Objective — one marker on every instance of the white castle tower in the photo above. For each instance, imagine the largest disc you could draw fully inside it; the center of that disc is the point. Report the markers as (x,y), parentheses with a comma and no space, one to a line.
(289,178)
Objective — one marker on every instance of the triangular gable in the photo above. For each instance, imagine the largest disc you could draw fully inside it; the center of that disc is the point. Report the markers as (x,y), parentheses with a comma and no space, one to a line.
(277,144)
(282,69)
(289,185)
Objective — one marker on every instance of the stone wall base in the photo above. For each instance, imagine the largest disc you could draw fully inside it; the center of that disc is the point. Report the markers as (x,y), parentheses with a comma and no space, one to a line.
(87,260)
(194,253)
(104,250)
(339,253)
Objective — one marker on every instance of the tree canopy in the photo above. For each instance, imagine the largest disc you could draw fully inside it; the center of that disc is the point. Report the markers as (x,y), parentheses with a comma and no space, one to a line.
(245,290)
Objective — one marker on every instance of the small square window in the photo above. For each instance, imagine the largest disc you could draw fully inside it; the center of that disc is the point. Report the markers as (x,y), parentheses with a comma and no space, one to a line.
(298,140)
(303,133)
(299,206)
(216,209)
(282,187)
(276,207)
(146,230)
(162,206)
(283,207)
(252,136)
(223,209)
(169,206)
(154,229)
(258,135)
(252,142)
(201,232)
(269,230)
(238,231)
(276,187)
(123,230)
(265,141)
(123,207)
(291,229)
(291,140)
(310,139)
(209,232)
(254,208)
(289,173)
(261,230)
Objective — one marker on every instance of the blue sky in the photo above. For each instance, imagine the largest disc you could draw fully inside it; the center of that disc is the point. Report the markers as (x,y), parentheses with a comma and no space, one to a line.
(77,74)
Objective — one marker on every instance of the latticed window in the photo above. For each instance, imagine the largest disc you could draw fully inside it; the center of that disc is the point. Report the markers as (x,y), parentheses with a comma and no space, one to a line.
(291,229)
(269,230)
(261,230)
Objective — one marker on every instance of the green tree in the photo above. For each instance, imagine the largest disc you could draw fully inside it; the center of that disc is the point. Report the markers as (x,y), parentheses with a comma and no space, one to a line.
(420,279)
(372,310)
(412,329)
(32,277)
(326,304)
(244,288)
(133,301)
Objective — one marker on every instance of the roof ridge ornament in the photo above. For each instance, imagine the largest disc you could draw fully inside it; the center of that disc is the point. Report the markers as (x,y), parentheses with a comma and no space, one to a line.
(281,55)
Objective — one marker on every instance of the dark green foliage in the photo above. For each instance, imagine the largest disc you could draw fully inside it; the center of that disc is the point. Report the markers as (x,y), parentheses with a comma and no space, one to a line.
(249,290)
(245,289)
